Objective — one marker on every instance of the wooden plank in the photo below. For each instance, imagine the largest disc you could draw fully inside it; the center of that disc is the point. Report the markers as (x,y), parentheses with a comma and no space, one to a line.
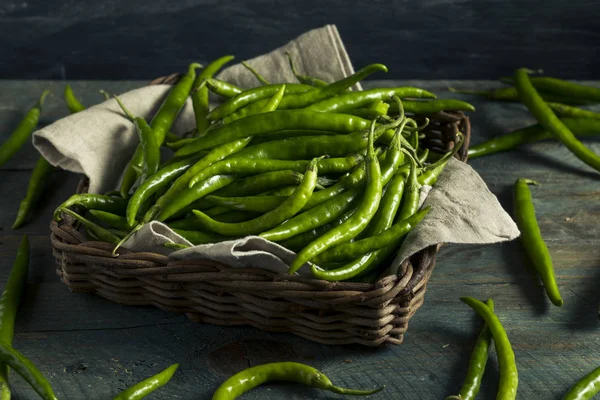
(427,39)
(91,348)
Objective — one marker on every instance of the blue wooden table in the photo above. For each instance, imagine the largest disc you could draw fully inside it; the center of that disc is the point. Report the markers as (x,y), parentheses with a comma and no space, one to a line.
(90,348)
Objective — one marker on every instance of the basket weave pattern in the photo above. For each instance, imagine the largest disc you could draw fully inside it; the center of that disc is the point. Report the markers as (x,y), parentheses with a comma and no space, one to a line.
(210,292)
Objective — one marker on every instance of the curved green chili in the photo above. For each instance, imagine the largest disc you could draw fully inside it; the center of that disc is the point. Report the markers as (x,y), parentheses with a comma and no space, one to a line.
(259,183)
(565,88)
(586,388)
(358,221)
(540,110)
(73,104)
(307,147)
(564,110)
(154,183)
(509,379)
(35,188)
(188,196)
(28,371)
(148,142)
(351,100)
(250,96)
(248,166)
(531,134)
(254,72)
(216,154)
(9,304)
(287,209)
(331,206)
(252,377)
(306,98)
(431,106)
(308,80)
(113,220)
(103,234)
(432,172)
(147,386)
(19,136)
(511,94)
(93,202)
(200,95)
(161,123)
(260,124)
(532,240)
(223,89)
(351,250)
(479,357)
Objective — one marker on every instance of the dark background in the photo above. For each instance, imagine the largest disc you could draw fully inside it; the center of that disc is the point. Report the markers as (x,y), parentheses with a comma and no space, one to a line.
(423,39)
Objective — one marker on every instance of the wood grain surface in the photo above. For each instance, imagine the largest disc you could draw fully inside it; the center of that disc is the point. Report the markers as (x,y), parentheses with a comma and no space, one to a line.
(422,39)
(90,348)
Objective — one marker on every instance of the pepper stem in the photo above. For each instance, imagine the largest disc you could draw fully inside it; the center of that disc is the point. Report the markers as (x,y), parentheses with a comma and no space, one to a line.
(125,110)
(42,99)
(254,72)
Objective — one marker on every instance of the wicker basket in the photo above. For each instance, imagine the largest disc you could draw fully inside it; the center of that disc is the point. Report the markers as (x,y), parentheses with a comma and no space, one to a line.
(211,292)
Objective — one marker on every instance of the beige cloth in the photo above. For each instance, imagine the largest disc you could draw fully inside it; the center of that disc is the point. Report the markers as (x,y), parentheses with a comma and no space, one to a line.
(463,209)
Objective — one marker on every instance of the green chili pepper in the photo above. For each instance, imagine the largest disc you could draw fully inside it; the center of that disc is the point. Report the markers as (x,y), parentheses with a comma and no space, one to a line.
(93,202)
(39,176)
(148,141)
(531,238)
(9,304)
(565,88)
(531,134)
(432,172)
(351,100)
(431,106)
(287,209)
(260,124)
(28,371)
(540,110)
(147,386)
(155,182)
(103,234)
(254,72)
(259,204)
(308,147)
(308,80)
(200,95)
(586,388)
(161,123)
(564,110)
(306,98)
(73,104)
(376,110)
(19,136)
(511,94)
(252,377)
(238,165)
(250,96)
(351,250)
(113,220)
(358,221)
(332,207)
(188,196)
(509,380)
(259,183)
(411,195)
(300,241)
(222,88)
(104,93)
(479,357)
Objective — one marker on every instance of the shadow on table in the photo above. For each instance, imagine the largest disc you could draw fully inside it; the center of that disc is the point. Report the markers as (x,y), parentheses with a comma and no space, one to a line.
(551,161)
(583,312)
(465,344)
